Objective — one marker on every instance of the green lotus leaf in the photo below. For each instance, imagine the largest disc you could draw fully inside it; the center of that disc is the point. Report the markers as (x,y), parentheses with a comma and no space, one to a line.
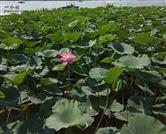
(73,24)
(152,76)
(9,96)
(113,74)
(111,27)
(72,36)
(163,62)
(122,48)
(97,73)
(144,87)
(59,67)
(87,60)
(64,50)
(123,34)
(161,70)
(35,100)
(44,71)
(124,115)
(19,68)
(106,60)
(49,81)
(49,53)
(108,130)
(133,62)
(99,92)
(23,127)
(160,55)
(20,58)
(145,39)
(108,37)
(99,102)
(80,70)
(2,95)
(116,106)
(86,107)
(17,78)
(67,114)
(4,34)
(55,37)
(3,67)
(143,124)
(11,43)
(87,90)
(92,43)
(31,44)
(139,104)
(3,64)
(160,109)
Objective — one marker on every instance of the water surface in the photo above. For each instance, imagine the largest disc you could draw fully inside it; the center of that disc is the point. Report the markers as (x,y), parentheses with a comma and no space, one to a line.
(7,7)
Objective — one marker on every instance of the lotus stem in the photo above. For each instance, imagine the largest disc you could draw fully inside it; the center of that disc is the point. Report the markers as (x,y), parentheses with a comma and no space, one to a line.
(8,116)
(106,104)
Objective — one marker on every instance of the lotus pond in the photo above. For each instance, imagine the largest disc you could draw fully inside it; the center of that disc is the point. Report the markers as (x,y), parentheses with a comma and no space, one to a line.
(86,71)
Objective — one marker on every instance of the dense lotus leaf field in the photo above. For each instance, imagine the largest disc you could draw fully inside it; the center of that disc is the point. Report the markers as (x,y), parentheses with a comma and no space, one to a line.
(83,71)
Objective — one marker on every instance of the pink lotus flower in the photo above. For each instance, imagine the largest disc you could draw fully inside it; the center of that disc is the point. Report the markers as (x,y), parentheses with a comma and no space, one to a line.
(67,57)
